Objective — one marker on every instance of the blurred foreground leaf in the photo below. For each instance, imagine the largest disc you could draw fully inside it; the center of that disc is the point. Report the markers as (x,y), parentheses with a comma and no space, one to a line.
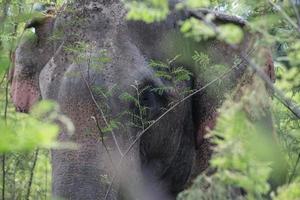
(23,132)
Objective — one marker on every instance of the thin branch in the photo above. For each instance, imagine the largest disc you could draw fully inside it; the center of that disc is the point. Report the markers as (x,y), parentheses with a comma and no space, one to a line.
(3,18)
(295,168)
(3,176)
(3,155)
(139,135)
(136,87)
(32,173)
(101,112)
(46,175)
(102,140)
(296,12)
(289,103)
(16,167)
(3,77)
(283,13)
(6,101)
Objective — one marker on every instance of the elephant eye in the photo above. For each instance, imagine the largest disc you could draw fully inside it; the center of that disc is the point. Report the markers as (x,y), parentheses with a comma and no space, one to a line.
(151,102)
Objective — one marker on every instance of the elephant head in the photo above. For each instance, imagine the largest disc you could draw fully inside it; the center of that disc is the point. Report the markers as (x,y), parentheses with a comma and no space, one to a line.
(31,56)
(99,71)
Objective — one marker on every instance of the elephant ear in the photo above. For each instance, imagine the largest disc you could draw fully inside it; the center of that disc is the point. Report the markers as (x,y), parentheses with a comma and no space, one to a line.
(29,59)
(206,103)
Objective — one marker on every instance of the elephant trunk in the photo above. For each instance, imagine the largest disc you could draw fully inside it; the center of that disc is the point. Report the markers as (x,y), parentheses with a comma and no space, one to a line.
(80,174)
(86,173)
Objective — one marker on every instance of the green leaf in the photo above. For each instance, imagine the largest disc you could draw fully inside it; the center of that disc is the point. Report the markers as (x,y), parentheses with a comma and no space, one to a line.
(196,29)
(125,96)
(230,33)
(148,11)
(163,74)
(201,58)
(289,192)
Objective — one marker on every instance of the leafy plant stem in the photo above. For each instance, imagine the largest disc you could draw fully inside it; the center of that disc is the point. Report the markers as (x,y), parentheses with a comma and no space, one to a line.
(294,169)
(32,173)
(101,112)
(283,13)
(3,176)
(102,140)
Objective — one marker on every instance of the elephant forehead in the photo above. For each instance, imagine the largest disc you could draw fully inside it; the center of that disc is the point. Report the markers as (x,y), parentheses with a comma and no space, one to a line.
(118,76)
(63,77)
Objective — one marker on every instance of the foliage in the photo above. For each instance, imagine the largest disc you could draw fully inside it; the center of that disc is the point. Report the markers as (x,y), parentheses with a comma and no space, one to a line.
(169,72)
(26,132)
(197,29)
(24,169)
(242,150)
(289,192)
(209,188)
(194,4)
(148,11)
(236,145)
(18,170)
(230,33)
(245,157)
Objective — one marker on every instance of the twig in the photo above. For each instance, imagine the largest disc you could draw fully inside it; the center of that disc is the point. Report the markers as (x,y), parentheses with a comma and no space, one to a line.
(102,140)
(32,173)
(3,176)
(6,101)
(3,77)
(136,87)
(101,112)
(287,102)
(294,170)
(3,155)
(16,166)
(283,13)
(46,175)
(139,135)
(296,12)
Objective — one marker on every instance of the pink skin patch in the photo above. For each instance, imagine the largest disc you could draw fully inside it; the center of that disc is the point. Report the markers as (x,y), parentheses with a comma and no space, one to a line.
(24,94)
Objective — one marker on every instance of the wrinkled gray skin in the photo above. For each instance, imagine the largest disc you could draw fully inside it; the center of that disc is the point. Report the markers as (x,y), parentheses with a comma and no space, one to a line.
(160,164)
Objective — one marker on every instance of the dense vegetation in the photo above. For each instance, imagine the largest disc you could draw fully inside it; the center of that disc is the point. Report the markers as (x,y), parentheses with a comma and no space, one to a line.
(249,162)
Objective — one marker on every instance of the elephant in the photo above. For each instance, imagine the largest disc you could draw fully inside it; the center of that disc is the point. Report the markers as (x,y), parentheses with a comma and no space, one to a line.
(89,58)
